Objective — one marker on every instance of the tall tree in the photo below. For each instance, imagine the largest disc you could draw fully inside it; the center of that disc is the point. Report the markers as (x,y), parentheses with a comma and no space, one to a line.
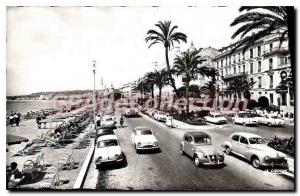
(212,73)
(266,20)
(150,80)
(167,37)
(239,84)
(161,79)
(186,65)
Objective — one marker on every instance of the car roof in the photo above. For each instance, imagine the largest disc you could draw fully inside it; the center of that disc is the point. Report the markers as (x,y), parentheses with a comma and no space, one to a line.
(197,134)
(142,128)
(246,134)
(107,137)
(216,113)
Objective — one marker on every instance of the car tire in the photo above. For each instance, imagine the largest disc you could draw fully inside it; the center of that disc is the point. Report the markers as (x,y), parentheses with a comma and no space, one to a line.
(197,161)
(255,162)
(227,150)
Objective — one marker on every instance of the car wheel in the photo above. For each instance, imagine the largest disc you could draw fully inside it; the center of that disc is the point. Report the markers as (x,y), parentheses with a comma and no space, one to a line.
(227,150)
(244,124)
(255,162)
(197,161)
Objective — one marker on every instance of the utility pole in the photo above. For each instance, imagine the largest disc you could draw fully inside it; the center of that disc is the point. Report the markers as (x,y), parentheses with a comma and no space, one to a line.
(93,99)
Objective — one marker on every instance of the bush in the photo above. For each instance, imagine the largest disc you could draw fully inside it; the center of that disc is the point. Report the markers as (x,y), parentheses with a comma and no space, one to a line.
(252,104)
(285,145)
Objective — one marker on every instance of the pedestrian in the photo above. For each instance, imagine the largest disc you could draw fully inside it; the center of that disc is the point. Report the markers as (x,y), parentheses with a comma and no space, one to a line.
(121,120)
(98,119)
(38,121)
(17,119)
(11,118)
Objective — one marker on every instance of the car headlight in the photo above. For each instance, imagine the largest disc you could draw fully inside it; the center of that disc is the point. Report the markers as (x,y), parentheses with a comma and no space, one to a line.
(139,144)
(267,158)
(155,143)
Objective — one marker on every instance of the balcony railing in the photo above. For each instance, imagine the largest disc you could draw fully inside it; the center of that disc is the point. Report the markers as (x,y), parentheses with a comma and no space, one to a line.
(276,50)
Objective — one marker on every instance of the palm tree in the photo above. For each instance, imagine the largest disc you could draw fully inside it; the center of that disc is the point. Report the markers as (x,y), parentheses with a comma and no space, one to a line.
(187,66)
(167,37)
(212,73)
(150,81)
(266,20)
(161,79)
(239,84)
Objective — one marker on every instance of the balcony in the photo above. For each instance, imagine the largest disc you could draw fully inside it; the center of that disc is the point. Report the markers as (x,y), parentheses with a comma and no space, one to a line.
(276,50)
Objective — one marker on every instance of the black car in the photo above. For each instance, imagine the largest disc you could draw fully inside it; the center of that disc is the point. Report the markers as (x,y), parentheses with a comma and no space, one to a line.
(103,131)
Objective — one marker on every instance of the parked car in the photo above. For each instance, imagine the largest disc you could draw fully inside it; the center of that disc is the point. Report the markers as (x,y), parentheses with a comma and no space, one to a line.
(255,149)
(108,121)
(216,118)
(270,120)
(143,138)
(160,116)
(108,150)
(131,111)
(245,119)
(198,145)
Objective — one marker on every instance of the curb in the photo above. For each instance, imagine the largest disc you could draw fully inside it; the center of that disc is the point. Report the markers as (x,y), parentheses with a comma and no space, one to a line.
(85,167)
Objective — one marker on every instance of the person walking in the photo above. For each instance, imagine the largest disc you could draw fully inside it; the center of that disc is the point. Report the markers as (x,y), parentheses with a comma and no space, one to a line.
(121,120)
(98,120)
(38,119)
(17,119)
(11,118)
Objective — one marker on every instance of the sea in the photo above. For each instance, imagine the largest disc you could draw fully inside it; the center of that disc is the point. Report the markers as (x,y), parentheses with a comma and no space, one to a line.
(24,106)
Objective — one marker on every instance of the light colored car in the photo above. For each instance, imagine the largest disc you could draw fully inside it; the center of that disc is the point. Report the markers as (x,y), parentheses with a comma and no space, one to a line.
(270,120)
(107,150)
(131,111)
(108,121)
(245,119)
(143,138)
(255,149)
(198,145)
(160,116)
(216,118)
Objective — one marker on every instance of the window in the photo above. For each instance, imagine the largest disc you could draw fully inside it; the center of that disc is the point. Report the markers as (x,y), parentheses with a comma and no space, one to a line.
(235,137)
(234,70)
(270,63)
(259,82)
(222,73)
(271,81)
(239,56)
(271,47)
(259,66)
(271,98)
(226,72)
(244,69)
(243,140)
(252,82)
(244,54)
(222,63)
(258,50)
(234,59)
(251,53)
(229,60)
(251,68)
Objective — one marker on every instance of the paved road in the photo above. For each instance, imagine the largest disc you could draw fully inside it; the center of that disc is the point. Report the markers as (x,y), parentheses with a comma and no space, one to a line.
(168,170)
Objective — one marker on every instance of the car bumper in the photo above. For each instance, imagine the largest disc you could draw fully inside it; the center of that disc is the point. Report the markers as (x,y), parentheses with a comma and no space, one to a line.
(147,147)
(108,162)
(216,161)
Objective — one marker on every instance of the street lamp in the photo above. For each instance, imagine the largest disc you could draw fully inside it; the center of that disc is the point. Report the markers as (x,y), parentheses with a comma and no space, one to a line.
(93,99)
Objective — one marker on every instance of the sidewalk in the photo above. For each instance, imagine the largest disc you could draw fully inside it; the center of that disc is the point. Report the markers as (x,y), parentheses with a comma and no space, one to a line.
(29,130)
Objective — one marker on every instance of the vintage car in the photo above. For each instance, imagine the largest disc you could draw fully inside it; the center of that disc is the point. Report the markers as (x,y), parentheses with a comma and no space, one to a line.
(143,139)
(160,116)
(255,149)
(103,131)
(108,121)
(107,150)
(198,145)
(270,120)
(245,119)
(131,110)
(216,118)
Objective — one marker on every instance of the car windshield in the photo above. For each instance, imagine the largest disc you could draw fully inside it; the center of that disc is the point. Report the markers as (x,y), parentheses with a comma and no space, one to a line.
(256,140)
(219,116)
(144,132)
(275,117)
(108,119)
(202,140)
(106,143)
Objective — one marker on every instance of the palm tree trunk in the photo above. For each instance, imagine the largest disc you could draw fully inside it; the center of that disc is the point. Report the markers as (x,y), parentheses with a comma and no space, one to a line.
(169,70)
(187,97)
(152,91)
(291,38)
(159,99)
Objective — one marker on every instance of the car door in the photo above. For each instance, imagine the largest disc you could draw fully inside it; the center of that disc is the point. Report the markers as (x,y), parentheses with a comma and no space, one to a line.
(243,146)
(234,142)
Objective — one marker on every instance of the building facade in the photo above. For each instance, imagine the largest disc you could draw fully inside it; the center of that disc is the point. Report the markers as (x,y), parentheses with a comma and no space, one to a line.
(263,63)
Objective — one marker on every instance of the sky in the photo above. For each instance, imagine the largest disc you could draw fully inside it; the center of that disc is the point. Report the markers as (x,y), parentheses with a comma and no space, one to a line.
(53,48)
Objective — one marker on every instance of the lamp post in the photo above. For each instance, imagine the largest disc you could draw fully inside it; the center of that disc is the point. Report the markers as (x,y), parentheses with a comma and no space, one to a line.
(93,100)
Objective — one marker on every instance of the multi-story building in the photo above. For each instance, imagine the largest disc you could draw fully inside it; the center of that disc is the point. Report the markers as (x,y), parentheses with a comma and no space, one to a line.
(263,63)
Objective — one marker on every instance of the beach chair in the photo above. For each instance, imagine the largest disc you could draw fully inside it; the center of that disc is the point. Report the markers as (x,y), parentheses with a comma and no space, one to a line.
(34,167)
(67,161)
(51,179)
(53,143)
(28,149)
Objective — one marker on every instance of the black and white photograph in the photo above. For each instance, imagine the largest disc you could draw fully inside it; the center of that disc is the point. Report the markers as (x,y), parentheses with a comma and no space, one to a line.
(150,98)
